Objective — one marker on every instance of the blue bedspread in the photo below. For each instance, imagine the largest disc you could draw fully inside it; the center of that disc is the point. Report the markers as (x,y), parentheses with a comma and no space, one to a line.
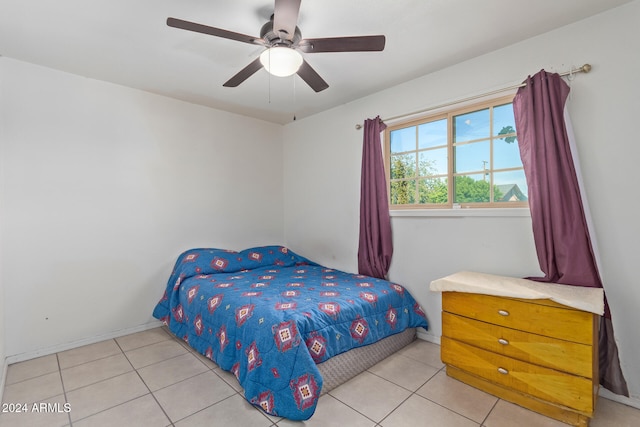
(269,315)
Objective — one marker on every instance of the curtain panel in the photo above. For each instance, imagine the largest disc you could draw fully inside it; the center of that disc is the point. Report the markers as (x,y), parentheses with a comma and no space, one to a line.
(560,227)
(375,247)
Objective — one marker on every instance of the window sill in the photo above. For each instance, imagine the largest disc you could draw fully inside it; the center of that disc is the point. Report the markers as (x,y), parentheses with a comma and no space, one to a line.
(462,212)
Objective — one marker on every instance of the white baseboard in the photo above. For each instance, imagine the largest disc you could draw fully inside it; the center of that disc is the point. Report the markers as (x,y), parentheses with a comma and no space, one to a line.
(3,379)
(633,402)
(424,335)
(79,343)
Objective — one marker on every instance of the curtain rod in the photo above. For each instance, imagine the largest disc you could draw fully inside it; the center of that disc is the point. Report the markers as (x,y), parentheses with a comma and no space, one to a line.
(584,69)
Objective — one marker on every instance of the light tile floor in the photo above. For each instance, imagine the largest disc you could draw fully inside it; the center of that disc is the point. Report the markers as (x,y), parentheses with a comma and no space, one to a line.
(152,379)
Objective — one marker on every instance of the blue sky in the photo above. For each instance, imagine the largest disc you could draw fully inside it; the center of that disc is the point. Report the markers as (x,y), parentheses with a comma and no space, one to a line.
(472,133)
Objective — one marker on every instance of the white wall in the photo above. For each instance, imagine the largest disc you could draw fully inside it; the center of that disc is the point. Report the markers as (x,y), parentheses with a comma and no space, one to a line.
(103,187)
(323,154)
(3,353)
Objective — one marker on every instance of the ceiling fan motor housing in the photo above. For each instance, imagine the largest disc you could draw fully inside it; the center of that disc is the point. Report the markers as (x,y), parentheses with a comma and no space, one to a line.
(274,38)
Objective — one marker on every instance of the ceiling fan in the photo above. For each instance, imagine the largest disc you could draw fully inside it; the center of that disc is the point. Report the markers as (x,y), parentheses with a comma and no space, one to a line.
(281,37)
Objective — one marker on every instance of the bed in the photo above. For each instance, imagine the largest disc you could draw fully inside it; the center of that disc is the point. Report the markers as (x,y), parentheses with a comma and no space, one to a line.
(284,325)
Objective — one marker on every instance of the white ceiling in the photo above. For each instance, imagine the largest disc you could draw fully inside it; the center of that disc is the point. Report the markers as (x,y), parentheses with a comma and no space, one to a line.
(128,42)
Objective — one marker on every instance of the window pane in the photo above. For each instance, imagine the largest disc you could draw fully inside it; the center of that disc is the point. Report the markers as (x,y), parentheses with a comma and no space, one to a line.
(433,190)
(403,166)
(457,156)
(503,120)
(471,188)
(475,125)
(433,162)
(403,140)
(510,186)
(506,153)
(403,192)
(472,157)
(432,134)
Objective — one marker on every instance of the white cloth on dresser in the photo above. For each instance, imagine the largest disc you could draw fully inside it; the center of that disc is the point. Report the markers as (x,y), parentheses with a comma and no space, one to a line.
(582,298)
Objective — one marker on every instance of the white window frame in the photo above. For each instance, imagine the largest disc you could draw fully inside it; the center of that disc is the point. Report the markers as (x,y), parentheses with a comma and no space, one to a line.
(520,208)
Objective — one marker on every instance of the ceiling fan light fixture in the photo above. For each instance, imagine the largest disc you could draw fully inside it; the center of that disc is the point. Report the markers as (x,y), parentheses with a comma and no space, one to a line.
(281,61)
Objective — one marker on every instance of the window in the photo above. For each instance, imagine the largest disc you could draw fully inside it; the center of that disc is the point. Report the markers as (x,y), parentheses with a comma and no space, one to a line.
(462,158)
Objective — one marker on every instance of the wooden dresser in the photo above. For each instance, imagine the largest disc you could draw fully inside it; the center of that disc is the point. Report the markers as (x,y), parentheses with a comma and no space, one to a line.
(536,353)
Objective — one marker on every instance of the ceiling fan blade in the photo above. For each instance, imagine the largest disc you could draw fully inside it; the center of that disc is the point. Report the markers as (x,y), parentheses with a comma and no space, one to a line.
(244,74)
(312,78)
(285,18)
(343,44)
(213,31)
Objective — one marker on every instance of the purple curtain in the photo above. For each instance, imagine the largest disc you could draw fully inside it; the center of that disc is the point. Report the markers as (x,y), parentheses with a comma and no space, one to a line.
(375,247)
(561,235)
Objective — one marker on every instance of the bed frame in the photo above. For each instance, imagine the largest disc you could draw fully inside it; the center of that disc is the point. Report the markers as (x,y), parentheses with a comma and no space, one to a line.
(342,367)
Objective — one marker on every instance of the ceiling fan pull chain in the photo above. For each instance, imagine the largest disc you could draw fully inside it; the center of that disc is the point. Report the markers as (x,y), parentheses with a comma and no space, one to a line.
(269,53)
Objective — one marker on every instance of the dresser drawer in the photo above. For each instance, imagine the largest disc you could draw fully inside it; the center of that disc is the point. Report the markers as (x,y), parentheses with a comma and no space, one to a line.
(547,384)
(541,317)
(552,353)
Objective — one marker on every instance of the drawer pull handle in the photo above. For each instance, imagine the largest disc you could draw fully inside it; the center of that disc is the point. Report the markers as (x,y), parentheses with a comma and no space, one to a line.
(503,371)
(503,312)
(503,341)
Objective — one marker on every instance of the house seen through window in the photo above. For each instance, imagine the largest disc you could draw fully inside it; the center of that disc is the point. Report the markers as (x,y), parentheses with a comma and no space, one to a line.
(465,157)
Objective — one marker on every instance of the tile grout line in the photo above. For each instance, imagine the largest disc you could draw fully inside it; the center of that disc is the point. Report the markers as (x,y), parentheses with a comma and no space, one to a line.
(408,397)
(490,411)
(145,384)
(64,390)
(377,423)
(190,351)
(420,396)
(443,369)
(103,379)
(34,377)
(203,409)
(350,407)
(97,382)
(133,369)
(84,363)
